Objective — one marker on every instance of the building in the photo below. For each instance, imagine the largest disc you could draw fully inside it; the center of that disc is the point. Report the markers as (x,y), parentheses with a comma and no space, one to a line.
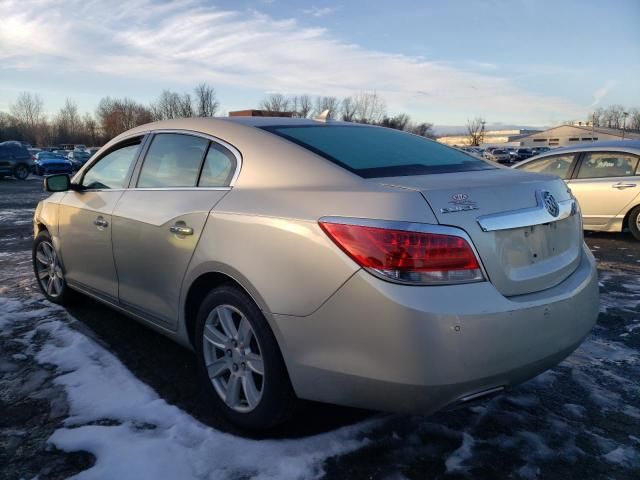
(566,135)
(490,137)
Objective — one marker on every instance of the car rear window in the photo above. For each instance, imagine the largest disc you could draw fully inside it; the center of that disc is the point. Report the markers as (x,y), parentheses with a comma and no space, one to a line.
(379,152)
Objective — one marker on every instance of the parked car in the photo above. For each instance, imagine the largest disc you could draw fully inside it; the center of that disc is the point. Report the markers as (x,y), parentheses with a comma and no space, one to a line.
(605,179)
(47,163)
(539,150)
(15,160)
(329,261)
(63,153)
(33,151)
(92,150)
(499,155)
(519,154)
(78,158)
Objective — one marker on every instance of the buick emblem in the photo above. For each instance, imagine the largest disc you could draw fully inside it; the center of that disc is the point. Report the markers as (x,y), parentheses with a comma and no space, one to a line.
(459,197)
(551,204)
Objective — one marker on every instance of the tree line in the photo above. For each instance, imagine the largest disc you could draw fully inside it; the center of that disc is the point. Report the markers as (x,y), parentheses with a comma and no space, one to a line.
(27,120)
(616,116)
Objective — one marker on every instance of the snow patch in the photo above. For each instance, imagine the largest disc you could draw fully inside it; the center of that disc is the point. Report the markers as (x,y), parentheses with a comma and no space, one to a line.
(146,437)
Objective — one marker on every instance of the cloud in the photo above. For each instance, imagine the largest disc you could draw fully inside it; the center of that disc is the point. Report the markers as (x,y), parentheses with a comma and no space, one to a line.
(320,11)
(600,93)
(187,42)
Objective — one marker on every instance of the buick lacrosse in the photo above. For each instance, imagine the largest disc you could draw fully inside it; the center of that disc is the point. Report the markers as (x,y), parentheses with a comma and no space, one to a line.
(329,261)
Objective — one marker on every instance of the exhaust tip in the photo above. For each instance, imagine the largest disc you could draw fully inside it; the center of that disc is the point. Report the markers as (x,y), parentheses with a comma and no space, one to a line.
(474,398)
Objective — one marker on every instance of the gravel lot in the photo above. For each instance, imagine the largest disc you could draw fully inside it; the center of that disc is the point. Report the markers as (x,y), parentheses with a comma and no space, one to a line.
(88,391)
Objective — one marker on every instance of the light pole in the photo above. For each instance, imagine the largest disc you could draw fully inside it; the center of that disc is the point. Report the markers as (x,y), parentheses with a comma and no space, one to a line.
(481,133)
(593,124)
(624,122)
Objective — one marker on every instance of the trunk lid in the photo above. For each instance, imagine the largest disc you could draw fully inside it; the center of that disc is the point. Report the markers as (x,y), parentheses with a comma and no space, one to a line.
(509,216)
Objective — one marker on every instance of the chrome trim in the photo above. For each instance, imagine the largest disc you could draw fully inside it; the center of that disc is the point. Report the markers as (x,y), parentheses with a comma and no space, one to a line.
(189,189)
(236,153)
(410,227)
(526,217)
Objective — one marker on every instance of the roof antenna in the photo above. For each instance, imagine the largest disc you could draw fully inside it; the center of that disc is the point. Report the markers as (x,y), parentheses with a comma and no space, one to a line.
(323,117)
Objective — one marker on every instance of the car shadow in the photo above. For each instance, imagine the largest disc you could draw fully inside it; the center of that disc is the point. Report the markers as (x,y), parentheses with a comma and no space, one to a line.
(170,370)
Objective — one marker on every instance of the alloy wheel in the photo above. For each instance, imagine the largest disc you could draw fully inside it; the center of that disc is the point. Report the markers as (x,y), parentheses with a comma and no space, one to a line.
(233,358)
(49,270)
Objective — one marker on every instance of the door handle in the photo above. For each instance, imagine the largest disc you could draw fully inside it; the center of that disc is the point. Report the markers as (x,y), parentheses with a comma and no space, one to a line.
(100,222)
(621,186)
(181,229)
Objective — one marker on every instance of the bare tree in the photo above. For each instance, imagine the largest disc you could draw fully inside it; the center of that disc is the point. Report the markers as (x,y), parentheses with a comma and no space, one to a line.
(634,119)
(28,110)
(28,115)
(424,129)
(276,102)
(90,128)
(206,102)
(118,115)
(612,116)
(597,117)
(401,121)
(475,131)
(172,105)
(67,124)
(368,108)
(348,109)
(302,105)
(327,103)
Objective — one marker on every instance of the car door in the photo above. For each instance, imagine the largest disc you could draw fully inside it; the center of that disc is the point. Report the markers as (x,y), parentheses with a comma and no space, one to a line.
(85,221)
(157,224)
(604,184)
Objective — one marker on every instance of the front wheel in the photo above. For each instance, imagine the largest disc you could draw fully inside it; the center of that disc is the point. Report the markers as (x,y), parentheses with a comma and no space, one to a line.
(239,361)
(21,172)
(634,222)
(48,270)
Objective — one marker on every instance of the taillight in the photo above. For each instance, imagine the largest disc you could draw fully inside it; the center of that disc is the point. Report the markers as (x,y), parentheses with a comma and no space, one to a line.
(406,256)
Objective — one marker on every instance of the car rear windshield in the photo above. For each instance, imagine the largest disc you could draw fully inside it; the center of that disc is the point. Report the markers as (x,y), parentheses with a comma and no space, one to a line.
(379,152)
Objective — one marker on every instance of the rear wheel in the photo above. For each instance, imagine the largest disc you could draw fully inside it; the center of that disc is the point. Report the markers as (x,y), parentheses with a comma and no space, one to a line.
(21,172)
(634,222)
(48,270)
(239,361)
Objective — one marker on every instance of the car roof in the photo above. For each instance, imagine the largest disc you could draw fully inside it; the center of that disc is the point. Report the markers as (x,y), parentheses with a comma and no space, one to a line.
(623,145)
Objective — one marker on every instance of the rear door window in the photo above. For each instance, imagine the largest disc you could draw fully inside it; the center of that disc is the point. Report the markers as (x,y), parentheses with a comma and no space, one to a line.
(372,152)
(219,167)
(556,165)
(607,164)
(173,160)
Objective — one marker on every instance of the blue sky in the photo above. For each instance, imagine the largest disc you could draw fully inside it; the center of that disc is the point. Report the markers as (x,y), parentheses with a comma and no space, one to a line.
(513,62)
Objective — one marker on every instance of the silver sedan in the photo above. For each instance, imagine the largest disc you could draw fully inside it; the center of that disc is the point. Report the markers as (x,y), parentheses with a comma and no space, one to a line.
(603,176)
(329,261)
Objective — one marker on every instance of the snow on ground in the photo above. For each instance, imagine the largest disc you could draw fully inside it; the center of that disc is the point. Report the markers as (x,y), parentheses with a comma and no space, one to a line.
(135,434)
(580,419)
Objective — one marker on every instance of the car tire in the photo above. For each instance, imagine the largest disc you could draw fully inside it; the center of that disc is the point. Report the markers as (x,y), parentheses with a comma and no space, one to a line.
(49,271)
(242,372)
(21,172)
(634,222)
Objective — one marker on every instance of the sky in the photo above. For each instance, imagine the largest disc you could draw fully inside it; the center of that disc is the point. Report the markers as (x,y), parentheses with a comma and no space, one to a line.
(517,62)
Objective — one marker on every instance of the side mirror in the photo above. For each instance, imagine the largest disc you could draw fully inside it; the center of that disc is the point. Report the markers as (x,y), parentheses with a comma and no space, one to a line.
(57,183)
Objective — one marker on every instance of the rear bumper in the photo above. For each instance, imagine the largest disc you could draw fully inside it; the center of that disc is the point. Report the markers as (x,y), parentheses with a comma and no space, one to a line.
(391,347)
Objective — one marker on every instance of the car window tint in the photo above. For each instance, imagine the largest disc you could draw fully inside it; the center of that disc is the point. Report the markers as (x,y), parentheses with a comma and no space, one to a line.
(379,152)
(173,160)
(607,164)
(219,167)
(112,170)
(556,165)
